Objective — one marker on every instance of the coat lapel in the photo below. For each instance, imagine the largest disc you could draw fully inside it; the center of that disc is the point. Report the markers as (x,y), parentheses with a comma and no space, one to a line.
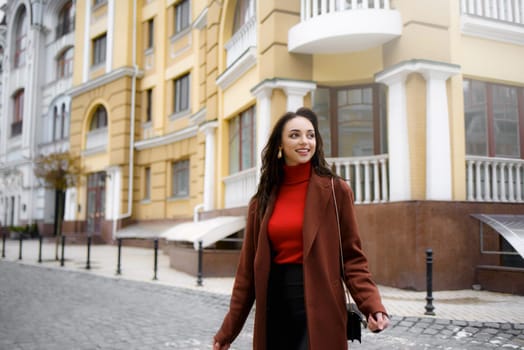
(317,198)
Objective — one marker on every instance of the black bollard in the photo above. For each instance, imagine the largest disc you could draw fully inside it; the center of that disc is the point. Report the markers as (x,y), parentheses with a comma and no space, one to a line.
(40,239)
(429,283)
(20,247)
(156,259)
(88,263)
(62,258)
(3,245)
(118,271)
(200,256)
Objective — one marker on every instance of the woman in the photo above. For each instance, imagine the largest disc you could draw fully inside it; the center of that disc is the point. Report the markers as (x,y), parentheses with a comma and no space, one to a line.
(290,261)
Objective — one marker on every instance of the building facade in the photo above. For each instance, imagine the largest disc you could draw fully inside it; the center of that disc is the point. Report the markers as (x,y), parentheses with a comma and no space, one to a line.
(36,72)
(421,109)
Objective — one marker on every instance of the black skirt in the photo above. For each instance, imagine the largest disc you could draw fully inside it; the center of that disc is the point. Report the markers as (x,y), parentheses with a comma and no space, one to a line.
(286,312)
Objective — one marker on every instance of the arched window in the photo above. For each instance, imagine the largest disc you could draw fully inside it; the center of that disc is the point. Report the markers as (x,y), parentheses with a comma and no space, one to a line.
(244,10)
(18,113)
(56,124)
(99,119)
(66,20)
(20,39)
(64,64)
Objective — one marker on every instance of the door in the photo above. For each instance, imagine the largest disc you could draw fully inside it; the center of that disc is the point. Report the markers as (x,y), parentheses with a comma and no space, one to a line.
(96,200)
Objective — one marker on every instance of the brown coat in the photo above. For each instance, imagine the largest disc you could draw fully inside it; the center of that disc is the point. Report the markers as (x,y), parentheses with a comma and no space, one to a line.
(324,295)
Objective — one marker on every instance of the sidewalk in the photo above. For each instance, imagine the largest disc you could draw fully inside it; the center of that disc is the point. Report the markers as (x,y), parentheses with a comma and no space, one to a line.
(138,264)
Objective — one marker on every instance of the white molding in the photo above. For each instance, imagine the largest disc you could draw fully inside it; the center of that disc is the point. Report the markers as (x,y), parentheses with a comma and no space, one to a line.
(167,139)
(198,117)
(492,30)
(103,80)
(201,21)
(238,68)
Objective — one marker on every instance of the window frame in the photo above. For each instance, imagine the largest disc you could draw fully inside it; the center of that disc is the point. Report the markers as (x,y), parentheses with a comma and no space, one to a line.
(18,113)
(149,105)
(236,128)
(180,168)
(147,184)
(66,20)
(99,119)
(150,39)
(99,55)
(489,111)
(64,64)
(21,40)
(182,16)
(182,94)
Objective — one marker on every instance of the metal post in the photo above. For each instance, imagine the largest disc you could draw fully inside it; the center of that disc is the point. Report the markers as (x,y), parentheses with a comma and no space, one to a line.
(40,239)
(156,259)
(200,253)
(21,237)
(3,245)
(429,283)
(88,263)
(118,271)
(62,258)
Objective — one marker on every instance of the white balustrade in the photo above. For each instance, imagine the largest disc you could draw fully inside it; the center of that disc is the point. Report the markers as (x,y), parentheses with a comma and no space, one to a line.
(240,187)
(242,40)
(500,10)
(494,179)
(313,8)
(96,139)
(367,176)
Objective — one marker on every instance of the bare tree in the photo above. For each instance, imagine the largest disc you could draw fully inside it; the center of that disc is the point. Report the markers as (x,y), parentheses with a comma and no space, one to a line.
(59,171)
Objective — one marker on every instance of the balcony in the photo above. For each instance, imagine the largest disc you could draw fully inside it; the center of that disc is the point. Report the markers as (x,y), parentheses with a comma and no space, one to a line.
(96,141)
(240,187)
(501,20)
(495,179)
(336,26)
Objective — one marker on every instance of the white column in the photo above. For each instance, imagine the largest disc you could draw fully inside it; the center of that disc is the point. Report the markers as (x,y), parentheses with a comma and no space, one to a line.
(263,94)
(114,192)
(87,43)
(110,34)
(209,170)
(295,92)
(438,138)
(398,144)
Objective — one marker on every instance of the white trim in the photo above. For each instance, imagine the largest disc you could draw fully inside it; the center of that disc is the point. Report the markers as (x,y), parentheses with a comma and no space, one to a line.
(110,34)
(87,43)
(198,117)
(201,21)
(238,68)
(492,30)
(103,80)
(183,134)
(209,166)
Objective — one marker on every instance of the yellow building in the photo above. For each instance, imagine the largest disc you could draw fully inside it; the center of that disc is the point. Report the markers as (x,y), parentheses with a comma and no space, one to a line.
(421,109)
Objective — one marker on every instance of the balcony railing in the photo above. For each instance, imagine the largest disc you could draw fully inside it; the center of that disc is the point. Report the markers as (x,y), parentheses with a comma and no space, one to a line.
(511,11)
(494,179)
(339,26)
(240,187)
(367,176)
(242,40)
(96,140)
(312,8)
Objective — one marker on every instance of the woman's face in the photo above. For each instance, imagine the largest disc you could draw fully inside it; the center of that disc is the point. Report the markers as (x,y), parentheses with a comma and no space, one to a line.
(298,141)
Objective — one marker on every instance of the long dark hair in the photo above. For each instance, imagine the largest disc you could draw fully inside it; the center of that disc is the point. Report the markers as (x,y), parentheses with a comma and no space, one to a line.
(272,171)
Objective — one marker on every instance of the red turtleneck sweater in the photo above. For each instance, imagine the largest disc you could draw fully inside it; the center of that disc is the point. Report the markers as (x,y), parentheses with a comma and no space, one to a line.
(285,224)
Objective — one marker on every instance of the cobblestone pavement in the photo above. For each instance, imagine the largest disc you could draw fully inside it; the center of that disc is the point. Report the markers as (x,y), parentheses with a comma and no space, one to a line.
(43,309)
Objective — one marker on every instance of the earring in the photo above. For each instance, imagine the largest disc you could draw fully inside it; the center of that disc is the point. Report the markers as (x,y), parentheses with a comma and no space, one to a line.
(279,154)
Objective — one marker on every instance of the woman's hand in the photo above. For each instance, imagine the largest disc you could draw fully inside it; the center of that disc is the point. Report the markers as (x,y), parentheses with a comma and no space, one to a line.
(218,346)
(378,322)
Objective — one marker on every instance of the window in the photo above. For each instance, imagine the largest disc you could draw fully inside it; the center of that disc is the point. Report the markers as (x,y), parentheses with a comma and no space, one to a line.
(242,141)
(147,183)
(181,16)
(150,34)
(180,179)
(64,122)
(494,119)
(64,64)
(98,2)
(21,40)
(149,104)
(244,11)
(18,113)
(99,119)
(181,95)
(60,123)
(352,120)
(99,50)
(66,20)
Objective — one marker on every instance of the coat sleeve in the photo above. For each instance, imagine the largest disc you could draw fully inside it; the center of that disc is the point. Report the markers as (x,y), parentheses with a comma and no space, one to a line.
(357,276)
(243,294)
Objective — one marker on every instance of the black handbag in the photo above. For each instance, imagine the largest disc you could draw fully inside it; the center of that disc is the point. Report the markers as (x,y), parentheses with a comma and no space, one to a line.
(355,319)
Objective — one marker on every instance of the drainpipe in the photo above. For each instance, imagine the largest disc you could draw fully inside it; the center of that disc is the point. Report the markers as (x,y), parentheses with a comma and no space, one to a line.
(132,129)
